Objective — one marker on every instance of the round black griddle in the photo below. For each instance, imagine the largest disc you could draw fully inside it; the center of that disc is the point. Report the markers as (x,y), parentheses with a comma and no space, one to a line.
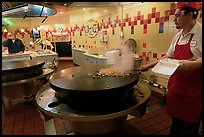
(22,69)
(80,87)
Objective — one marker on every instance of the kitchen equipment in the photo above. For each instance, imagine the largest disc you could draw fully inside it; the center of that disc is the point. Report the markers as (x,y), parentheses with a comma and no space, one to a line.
(22,69)
(113,57)
(15,56)
(80,88)
(22,79)
(91,123)
(165,67)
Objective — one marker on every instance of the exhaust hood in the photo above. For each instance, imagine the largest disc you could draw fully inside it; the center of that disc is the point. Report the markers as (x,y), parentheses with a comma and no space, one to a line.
(28,10)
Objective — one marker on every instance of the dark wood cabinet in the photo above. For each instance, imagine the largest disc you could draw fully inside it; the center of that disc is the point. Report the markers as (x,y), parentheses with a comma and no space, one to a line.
(64,49)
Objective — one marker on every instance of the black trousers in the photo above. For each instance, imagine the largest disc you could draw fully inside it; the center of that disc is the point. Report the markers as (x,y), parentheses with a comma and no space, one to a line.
(180,127)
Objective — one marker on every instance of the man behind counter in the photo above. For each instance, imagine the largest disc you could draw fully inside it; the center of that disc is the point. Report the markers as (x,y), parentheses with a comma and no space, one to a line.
(14,44)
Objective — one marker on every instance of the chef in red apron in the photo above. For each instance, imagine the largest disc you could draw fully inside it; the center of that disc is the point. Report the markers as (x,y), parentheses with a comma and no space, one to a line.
(184,98)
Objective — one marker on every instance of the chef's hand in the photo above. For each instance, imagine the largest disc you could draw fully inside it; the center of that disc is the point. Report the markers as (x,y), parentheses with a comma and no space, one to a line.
(144,68)
(21,52)
(183,65)
(186,65)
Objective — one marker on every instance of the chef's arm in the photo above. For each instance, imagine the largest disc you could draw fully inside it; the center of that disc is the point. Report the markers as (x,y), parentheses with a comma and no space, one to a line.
(190,65)
(151,65)
(6,43)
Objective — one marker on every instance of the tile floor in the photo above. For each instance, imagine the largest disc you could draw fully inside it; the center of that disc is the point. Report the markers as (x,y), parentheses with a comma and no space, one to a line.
(23,118)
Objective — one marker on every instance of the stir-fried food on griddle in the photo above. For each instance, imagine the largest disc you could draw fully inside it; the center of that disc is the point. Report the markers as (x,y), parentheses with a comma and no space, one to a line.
(112,72)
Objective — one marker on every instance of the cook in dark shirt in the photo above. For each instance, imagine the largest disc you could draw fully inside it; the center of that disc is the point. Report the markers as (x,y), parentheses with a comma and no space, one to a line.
(14,44)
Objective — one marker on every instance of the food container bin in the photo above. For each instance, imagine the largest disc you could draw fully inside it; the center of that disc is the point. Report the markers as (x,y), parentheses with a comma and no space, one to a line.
(165,67)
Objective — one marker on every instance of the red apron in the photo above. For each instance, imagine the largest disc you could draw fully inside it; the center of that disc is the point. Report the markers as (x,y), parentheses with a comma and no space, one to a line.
(184,99)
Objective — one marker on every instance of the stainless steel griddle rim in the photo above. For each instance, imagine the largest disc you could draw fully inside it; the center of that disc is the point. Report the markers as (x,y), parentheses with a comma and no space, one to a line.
(64,114)
(45,73)
(39,62)
(59,89)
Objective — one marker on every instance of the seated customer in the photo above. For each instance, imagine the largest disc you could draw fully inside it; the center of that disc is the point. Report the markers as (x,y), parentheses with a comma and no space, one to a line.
(13,44)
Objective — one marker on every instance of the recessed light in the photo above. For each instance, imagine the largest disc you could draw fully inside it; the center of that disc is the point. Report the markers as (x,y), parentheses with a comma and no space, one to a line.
(5,30)
(22,30)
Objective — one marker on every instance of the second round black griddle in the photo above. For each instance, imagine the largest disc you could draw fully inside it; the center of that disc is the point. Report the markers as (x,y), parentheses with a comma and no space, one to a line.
(81,88)
(20,64)
(22,69)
